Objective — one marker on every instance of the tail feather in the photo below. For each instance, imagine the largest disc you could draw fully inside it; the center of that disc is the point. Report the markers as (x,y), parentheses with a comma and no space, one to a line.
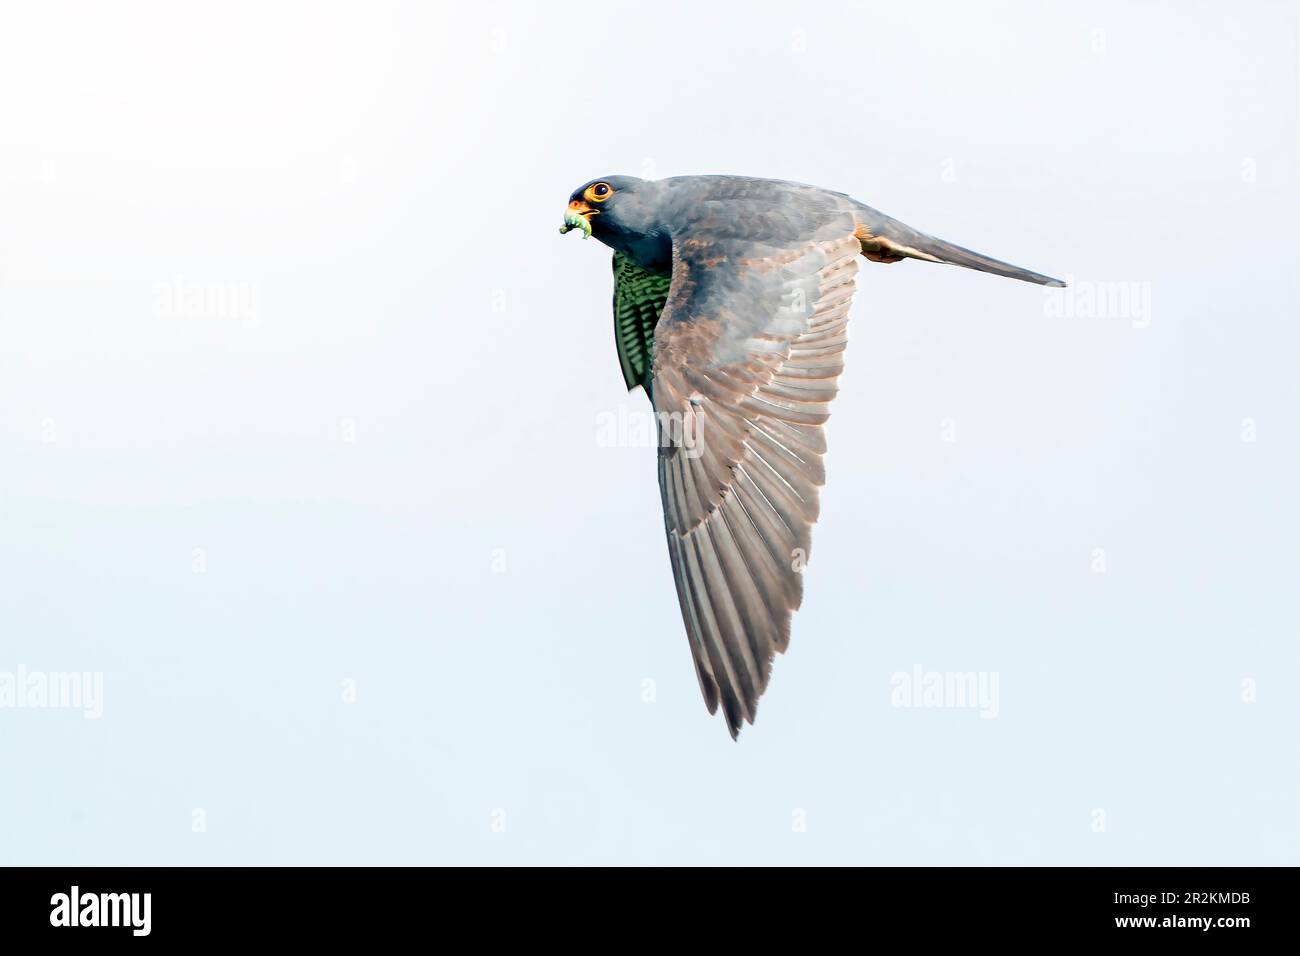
(887,240)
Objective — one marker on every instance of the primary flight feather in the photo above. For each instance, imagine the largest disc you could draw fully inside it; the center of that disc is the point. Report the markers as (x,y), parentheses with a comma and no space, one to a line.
(731,300)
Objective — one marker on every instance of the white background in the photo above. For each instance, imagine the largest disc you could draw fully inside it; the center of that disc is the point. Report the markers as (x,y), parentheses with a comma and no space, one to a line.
(283,283)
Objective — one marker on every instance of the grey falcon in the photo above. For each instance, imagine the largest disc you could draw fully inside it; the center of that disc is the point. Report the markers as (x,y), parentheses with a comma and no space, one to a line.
(731,301)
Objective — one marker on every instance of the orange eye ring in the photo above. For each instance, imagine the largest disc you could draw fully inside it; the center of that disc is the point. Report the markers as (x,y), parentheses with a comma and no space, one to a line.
(598,192)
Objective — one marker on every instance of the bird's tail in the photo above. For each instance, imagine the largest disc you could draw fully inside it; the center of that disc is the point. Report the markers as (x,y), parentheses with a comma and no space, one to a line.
(887,240)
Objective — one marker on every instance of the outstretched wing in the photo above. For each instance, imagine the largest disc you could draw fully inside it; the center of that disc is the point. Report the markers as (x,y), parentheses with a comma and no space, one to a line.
(639,297)
(746,358)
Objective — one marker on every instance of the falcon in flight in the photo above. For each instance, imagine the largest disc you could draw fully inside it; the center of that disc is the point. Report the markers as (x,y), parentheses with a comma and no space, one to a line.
(731,299)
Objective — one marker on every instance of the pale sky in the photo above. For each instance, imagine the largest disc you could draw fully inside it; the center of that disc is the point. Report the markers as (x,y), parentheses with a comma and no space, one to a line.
(300,395)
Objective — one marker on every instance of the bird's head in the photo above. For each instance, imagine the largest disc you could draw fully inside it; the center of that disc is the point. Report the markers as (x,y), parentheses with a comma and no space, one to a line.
(609,208)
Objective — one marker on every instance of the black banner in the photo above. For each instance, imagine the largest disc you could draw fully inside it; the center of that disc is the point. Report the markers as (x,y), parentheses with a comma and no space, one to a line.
(1148,906)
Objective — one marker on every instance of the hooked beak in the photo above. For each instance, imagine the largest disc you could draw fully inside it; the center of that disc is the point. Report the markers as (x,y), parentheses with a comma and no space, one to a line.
(579,216)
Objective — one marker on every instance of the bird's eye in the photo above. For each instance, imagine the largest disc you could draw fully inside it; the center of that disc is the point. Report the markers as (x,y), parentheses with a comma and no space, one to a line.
(599,192)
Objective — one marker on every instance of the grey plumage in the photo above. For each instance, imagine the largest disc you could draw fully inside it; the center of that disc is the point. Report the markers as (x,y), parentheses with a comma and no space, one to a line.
(751,280)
